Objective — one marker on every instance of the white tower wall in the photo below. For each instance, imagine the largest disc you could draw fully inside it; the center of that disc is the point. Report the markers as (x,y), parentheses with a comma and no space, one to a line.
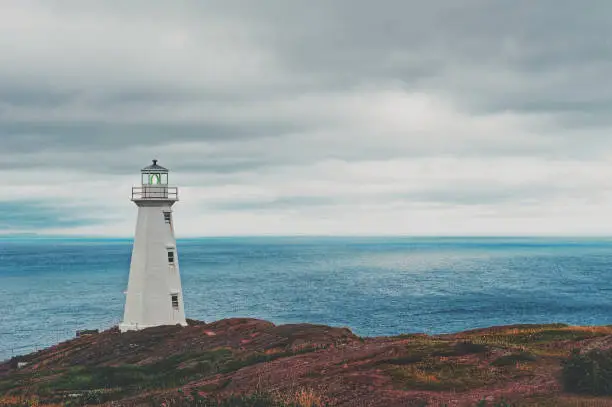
(154,274)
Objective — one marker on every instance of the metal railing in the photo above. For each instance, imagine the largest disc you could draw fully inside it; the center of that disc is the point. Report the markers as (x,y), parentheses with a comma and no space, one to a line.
(154,193)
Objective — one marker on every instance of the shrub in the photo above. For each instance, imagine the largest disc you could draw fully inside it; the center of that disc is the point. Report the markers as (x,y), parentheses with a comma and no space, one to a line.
(196,400)
(300,398)
(502,403)
(469,347)
(303,397)
(513,359)
(589,373)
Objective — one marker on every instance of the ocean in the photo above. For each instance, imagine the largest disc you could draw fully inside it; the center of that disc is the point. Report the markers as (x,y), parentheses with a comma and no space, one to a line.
(49,288)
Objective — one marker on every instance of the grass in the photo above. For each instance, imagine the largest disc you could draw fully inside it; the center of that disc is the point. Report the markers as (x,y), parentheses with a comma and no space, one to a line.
(162,374)
(299,398)
(117,381)
(513,359)
(423,363)
(422,367)
(16,381)
(535,336)
(25,402)
(423,348)
(304,397)
(195,400)
(580,401)
(430,374)
(549,401)
(429,365)
(500,403)
(256,358)
(107,383)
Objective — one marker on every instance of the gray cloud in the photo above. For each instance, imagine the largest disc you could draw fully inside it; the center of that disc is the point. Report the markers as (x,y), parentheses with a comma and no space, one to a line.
(266,98)
(30,215)
(527,57)
(288,202)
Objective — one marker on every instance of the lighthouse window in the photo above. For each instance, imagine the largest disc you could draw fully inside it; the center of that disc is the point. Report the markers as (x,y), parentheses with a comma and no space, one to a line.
(175,303)
(154,179)
(167,217)
(170,256)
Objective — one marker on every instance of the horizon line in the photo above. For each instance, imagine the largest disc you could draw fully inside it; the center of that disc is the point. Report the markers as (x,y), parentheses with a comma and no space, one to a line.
(488,236)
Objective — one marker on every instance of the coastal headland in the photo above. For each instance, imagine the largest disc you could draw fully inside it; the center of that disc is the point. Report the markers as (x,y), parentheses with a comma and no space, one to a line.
(251,362)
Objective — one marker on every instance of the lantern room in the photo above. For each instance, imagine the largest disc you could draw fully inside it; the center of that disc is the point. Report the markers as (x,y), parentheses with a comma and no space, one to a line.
(154,180)
(154,175)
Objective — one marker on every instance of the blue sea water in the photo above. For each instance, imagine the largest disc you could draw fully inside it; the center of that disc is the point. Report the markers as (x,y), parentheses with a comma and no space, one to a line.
(375,286)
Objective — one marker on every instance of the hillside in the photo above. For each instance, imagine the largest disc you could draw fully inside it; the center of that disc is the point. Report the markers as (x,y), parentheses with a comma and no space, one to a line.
(301,365)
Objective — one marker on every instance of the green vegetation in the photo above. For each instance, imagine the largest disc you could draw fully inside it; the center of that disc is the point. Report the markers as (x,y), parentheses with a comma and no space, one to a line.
(534,336)
(259,399)
(502,403)
(514,358)
(466,363)
(23,380)
(589,373)
(432,374)
(438,365)
(421,349)
(195,400)
(426,366)
(98,384)
(469,347)
(485,403)
(162,374)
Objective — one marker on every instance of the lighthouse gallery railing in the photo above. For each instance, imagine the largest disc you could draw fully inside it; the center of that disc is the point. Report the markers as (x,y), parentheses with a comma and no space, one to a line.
(154,192)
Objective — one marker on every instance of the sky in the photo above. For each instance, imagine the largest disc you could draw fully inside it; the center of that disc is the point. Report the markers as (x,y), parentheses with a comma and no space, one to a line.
(286,117)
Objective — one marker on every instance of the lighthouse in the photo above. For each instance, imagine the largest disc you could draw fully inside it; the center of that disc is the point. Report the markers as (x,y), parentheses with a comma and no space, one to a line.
(154,295)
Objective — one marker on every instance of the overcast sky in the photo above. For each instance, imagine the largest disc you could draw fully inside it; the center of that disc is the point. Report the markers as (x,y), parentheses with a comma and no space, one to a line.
(283,117)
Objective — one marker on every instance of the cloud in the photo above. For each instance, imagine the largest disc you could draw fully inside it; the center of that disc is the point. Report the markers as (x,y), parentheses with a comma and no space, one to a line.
(344,117)
(28,215)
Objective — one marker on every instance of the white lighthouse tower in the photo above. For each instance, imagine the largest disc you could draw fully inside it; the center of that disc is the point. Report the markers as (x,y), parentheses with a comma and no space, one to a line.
(154,294)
